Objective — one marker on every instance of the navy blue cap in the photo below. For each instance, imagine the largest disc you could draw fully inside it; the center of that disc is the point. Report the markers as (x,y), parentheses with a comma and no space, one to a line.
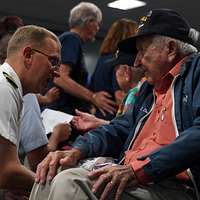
(165,22)
(122,58)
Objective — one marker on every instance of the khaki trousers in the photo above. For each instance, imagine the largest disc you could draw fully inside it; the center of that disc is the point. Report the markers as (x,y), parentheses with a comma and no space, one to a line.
(73,184)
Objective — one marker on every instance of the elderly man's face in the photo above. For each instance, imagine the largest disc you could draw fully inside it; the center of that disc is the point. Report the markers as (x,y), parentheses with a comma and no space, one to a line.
(92,27)
(153,59)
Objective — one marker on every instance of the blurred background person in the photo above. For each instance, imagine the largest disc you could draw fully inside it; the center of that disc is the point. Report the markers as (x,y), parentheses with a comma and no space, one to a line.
(8,25)
(84,22)
(129,79)
(104,78)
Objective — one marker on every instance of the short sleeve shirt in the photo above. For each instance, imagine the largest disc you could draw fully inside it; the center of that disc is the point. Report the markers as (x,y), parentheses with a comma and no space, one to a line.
(32,129)
(72,54)
(104,77)
(10,104)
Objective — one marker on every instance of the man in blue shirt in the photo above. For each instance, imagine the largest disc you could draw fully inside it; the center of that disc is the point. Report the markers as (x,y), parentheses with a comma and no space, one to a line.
(84,22)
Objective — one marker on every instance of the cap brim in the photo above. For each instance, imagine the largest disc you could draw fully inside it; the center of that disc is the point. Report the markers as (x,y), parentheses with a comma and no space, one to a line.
(128,45)
(126,60)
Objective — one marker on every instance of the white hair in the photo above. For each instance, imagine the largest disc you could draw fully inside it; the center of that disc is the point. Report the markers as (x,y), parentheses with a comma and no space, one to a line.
(84,12)
(184,48)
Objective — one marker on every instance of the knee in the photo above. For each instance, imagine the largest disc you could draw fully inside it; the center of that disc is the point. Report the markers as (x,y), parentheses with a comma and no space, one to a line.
(69,175)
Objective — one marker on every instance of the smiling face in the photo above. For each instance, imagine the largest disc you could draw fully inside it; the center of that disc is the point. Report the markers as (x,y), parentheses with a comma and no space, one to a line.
(41,69)
(153,58)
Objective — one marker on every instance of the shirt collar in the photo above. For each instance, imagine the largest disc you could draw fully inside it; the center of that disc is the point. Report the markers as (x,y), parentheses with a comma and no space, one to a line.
(168,78)
(176,69)
(10,71)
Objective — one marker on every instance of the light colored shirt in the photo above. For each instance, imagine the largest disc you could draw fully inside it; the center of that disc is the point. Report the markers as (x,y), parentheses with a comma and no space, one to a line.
(10,104)
(32,129)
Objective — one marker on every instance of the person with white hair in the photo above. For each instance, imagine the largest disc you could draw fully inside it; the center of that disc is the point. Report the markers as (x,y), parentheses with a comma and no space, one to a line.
(157,142)
(84,22)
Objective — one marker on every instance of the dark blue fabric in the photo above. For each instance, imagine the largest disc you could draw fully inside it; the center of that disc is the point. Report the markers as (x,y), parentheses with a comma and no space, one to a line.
(182,153)
(72,54)
(104,79)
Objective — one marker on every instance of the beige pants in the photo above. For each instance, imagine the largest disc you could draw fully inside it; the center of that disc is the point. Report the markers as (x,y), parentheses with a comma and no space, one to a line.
(73,184)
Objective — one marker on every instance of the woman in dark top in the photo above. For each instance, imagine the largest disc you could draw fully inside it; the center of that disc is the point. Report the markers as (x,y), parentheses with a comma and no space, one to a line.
(103,78)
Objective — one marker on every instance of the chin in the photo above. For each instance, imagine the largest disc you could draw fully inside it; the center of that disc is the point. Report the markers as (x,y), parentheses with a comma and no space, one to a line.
(36,90)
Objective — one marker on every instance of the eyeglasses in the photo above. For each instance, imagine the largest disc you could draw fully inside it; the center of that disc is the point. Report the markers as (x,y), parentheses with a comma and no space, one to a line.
(54,60)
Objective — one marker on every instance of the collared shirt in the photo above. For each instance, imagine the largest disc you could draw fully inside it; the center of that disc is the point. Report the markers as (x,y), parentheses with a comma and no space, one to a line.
(159,129)
(10,103)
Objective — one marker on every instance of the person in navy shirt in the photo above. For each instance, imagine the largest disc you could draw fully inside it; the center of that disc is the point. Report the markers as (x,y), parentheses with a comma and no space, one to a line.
(84,22)
(104,77)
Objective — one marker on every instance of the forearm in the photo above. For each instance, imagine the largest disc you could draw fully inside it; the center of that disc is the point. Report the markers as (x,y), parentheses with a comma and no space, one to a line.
(36,156)
(16,176)
(75,89)
(53,143)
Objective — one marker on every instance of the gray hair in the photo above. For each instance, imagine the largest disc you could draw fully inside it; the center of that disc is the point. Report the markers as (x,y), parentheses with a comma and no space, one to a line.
(84,12)
(184,48)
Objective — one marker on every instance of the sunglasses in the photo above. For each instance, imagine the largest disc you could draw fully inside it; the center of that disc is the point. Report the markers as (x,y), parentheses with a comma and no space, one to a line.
(54,60)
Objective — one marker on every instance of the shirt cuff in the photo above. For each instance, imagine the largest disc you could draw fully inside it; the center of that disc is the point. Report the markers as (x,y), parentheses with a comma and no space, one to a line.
(141,176)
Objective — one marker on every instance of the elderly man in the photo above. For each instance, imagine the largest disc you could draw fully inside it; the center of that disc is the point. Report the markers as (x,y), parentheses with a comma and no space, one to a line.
(32,55)
(84,23)
(157,140)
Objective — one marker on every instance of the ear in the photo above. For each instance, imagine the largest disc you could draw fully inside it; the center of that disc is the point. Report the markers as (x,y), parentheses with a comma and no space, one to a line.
(28,55)
(172,50)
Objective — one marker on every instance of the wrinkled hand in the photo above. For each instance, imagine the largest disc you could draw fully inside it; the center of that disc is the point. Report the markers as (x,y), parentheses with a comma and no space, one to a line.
(113,177)
(103,101)
(52,94)
(85,121)
(47,169)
